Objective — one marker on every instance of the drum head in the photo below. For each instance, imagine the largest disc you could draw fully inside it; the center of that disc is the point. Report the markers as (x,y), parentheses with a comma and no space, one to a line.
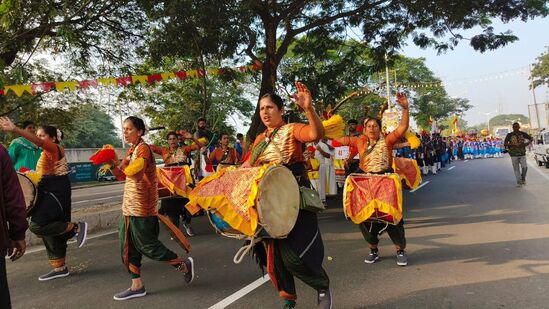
(29,191)
(278,201)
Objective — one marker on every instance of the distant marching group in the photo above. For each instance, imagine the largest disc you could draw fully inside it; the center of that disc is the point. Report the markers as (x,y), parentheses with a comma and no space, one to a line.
(436,151)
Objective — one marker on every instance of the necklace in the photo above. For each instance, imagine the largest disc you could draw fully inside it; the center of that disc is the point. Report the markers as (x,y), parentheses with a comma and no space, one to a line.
(370,147)
(268,135)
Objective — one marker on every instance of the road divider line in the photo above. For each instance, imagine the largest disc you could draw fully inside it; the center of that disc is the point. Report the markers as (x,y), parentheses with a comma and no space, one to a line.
(421,186)
(534,167)
(466,161)
(451,168)
(240,293)
(98,199)
(42,248)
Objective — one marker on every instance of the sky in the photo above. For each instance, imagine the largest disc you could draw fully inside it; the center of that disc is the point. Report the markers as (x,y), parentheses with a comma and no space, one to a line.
(494,81)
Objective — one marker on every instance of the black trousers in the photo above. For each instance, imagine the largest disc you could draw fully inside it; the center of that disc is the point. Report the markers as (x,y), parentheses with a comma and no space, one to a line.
(175,208)
(371,232)
(5,302)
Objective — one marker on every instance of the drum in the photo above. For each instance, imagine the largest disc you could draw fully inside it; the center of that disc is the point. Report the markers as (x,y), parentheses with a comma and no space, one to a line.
(174,181)
(225,165)
(373,197)
(29,191)
(247,202)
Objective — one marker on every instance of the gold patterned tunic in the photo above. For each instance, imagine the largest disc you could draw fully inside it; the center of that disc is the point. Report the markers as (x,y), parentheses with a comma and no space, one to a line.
(178,155)
(141,189)
(283,147)
(376,157)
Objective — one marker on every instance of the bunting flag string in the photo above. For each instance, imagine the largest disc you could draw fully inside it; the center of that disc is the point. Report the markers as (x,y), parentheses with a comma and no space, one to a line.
(420,85)
(484,78)
(122,81)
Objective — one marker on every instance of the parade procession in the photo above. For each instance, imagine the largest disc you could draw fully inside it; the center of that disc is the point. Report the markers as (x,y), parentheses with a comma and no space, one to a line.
(261,150)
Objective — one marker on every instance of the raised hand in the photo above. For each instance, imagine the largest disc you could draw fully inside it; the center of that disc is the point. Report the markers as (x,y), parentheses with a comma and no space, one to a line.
(402,100)
(6,124)
(185,134)
(303,97)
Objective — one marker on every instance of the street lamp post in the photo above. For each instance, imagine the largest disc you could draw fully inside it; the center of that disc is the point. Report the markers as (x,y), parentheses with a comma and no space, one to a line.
(387,83)
(488,119)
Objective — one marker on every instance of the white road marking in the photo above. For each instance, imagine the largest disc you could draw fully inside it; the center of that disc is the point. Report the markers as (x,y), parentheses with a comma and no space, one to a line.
(537,169)
(98,199)
(451,168)
(42,248)
(240,293)
(466,161)
(421,186)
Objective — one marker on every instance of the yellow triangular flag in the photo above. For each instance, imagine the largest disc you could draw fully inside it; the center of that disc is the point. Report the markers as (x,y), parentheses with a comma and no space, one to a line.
(107,81)
(192,73)
(213,71)
(60,86)
(167,75)
(139,79)
(18,89)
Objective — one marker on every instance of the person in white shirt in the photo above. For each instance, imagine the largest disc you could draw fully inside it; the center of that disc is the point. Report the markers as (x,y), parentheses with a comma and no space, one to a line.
(325,152)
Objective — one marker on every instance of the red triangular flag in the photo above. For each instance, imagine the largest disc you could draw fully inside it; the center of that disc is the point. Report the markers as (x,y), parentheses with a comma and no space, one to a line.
(154,77)
(182,75)
(124,81)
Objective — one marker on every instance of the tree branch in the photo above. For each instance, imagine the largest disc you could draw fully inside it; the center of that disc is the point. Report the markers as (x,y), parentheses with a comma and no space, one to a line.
(329,19)
(253,41)
(292,8)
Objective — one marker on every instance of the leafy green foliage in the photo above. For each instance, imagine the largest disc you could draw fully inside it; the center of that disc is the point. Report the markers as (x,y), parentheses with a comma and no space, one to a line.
(507,119)
(80,29)
(335,68)
(540,71)
(178,104)
(91,128)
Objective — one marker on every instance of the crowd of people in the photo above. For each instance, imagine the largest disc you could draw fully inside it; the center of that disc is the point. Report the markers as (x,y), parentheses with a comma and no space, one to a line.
(435,151)
(314,160)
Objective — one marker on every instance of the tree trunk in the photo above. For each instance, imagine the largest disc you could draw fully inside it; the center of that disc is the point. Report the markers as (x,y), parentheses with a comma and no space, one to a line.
(268,75)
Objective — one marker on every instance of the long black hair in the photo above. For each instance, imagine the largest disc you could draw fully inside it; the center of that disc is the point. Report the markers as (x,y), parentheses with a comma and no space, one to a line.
(138,123)
(54,133)
(172,133)
(275,98)
(374,119)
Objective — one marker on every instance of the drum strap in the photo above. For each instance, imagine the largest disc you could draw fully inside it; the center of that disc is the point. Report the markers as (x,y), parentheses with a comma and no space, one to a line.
(241,253)
(309,245)
(55,198)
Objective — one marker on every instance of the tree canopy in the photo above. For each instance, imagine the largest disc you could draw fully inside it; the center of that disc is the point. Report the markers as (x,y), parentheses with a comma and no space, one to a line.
(540,71)
(507,119)
(264,30)
(222,33)
(177,105)
(82,28)
(91,128)
(334,68)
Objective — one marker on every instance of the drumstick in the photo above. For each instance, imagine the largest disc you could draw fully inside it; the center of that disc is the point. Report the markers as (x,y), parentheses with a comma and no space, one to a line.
(156,128)
(176,233)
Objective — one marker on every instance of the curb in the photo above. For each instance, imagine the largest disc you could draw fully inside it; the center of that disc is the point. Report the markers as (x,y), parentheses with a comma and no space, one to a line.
(76,187)
(99,218)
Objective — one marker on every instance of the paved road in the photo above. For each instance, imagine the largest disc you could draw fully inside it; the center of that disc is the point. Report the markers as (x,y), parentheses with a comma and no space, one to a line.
(474,241)
(92,196)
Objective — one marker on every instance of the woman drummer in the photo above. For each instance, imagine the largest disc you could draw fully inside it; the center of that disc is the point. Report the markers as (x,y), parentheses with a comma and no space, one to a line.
(223,154)
(176,154)
(51,216)
(139,227)
(376,157)
(301,253)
